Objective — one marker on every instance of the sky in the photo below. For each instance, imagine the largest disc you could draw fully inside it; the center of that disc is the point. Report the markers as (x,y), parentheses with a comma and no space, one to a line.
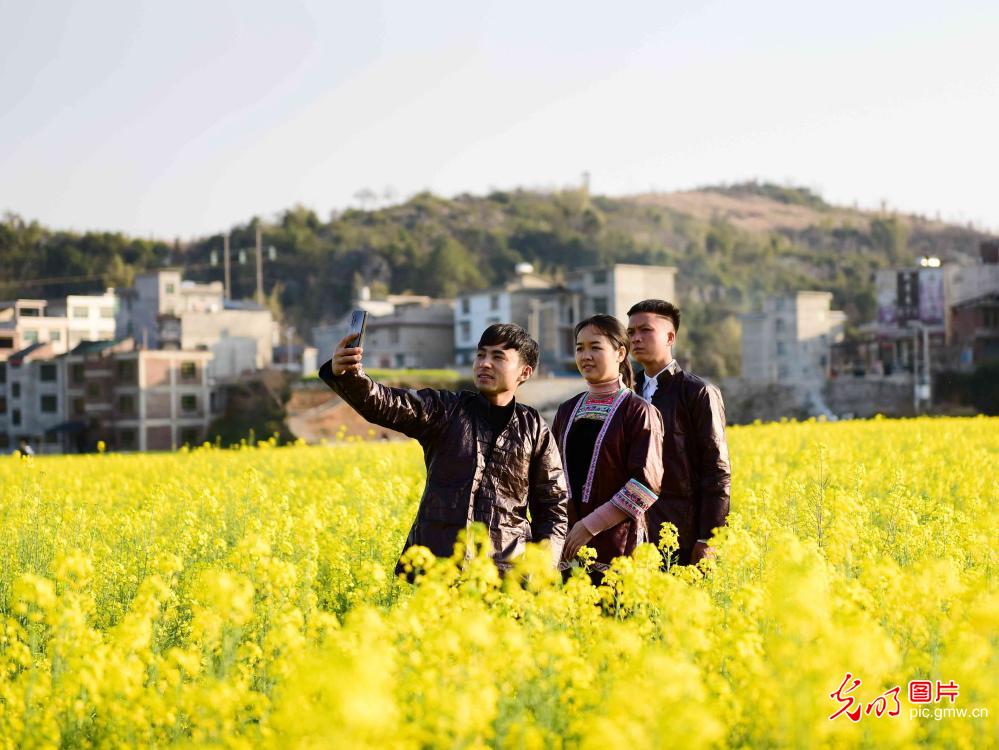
(181,119)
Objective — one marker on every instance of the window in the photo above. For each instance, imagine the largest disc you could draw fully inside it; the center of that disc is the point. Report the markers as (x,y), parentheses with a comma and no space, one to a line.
(55,335)
(6,342)
(93,390)
(15,417)
(494,302)
(188,370)
(76,373)
(31,336)
(126,370)
(780,325)
(190,436)
(599,277)
(189,402)
(599,305)
(47,373)
(465,305)
(3,372)
(127,440)
(29,312)
(466,330)
(126,404)
(79,407)
(393,335)
(80,311)
(3,405)
(15,390)
(107,312)
(169,288)
(49,404)
(781,349)
(400,360)
(51,438)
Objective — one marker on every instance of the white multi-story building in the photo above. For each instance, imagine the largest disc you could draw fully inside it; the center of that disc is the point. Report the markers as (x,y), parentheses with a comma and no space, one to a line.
(63,323)
(25,322)
(89,317)
(790,340)
(542,308)
(32,400)
(550,311)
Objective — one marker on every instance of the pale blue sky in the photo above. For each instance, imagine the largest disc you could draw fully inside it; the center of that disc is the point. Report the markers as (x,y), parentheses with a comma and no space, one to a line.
(181,118)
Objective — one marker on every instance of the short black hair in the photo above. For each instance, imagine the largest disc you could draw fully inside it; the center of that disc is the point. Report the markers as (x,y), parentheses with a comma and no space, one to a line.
(658,307)
(512,336)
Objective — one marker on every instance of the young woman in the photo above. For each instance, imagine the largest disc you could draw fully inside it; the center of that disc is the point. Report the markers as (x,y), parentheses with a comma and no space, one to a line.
(611,444)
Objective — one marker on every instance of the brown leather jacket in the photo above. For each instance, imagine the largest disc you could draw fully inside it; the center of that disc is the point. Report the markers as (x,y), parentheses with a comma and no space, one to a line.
(631,449)
(466,481)
(697,478)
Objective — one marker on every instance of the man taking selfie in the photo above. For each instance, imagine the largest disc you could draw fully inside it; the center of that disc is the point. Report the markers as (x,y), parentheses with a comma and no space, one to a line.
(489,459)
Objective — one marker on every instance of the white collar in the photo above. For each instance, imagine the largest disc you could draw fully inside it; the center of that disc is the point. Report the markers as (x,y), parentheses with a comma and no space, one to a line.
(655,378)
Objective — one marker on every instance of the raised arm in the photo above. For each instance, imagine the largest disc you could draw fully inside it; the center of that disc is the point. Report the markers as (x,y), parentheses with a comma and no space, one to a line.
(416,414)
(547,500)
(714,473)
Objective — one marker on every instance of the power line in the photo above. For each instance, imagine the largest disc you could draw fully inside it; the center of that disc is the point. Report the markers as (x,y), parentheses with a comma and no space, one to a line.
(50,280)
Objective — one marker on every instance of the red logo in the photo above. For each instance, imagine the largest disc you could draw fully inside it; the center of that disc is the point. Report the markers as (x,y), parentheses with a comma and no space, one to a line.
(888,704)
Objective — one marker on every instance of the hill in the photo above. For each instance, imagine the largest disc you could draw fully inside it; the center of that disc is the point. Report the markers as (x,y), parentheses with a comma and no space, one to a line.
(732,245)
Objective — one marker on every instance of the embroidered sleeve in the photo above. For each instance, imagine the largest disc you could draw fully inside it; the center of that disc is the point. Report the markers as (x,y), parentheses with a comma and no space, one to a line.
(634,499)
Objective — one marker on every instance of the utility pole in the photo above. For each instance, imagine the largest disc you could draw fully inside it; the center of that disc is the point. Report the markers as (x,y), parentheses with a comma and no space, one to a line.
(926,356)
(225,265)
(260,267)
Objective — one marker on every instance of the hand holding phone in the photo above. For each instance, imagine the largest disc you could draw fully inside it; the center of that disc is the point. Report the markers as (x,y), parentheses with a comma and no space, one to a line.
(347,357)
(358,322)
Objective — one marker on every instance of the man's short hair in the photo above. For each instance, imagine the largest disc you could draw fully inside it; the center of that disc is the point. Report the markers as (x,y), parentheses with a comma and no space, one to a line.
(512,336)
(658,307)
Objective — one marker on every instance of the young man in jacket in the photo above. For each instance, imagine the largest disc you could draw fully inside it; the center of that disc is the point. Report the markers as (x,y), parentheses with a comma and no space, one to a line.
(696,482)
(489,459)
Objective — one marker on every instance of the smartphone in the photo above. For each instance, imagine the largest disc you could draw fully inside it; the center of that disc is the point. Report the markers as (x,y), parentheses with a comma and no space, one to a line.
(358,321)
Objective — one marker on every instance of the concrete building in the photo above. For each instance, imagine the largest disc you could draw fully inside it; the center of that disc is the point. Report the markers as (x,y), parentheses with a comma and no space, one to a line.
(544,309)
(789,341)
(909,301)
(975,330)
(162,293)
(614,289)
(135,399)
(240,336)
(326,337)
(415,335)
(549,311)
(32,401)
(90,317)
(979,279)
(63,323)
(24,322)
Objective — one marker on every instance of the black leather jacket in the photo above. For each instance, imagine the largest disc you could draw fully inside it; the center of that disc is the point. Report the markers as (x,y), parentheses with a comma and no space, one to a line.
(472,475)
(697,475)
